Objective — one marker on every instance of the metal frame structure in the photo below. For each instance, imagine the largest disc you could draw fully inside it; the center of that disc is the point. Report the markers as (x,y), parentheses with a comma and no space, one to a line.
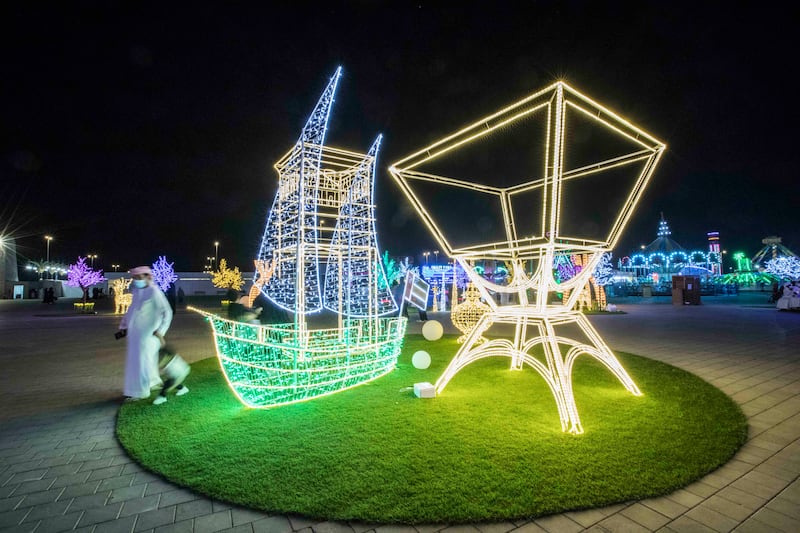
(534,318)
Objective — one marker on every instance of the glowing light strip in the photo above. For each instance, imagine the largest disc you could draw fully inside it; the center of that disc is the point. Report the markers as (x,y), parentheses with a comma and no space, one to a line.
(410,161)
(633,199)
(617,118)
(422,176)
(614,128)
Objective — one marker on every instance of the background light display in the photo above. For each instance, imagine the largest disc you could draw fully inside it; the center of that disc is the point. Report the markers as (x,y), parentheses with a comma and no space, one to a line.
(227,278)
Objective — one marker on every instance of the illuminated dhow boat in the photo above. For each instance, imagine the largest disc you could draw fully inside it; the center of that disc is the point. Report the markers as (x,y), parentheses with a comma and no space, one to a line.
(319,254)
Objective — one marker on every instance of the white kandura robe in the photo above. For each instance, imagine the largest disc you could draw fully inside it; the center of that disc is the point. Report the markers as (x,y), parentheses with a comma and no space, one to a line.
(149,312)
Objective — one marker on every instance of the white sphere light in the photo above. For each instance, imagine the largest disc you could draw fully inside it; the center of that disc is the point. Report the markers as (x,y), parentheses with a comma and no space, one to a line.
(432,330)
(421,359)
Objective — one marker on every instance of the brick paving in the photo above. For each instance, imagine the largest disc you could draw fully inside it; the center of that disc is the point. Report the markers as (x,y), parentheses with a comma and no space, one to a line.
(62,469)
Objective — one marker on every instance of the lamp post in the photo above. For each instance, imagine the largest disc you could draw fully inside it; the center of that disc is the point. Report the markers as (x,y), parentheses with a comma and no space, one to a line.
(115,267)
(48,238)
(426,254)
(216,254)
(436,253)
(92,257)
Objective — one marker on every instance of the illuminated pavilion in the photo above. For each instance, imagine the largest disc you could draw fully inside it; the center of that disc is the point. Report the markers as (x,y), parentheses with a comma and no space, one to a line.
(664,257)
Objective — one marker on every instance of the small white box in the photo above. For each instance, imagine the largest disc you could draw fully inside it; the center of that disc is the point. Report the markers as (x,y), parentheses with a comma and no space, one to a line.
(424,390)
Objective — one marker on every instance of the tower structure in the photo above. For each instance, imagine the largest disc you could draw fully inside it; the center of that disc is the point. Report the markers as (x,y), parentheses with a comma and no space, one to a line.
(714,251)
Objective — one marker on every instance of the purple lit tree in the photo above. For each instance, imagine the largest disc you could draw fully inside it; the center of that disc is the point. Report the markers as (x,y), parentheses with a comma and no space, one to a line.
(82,275)
(163,273)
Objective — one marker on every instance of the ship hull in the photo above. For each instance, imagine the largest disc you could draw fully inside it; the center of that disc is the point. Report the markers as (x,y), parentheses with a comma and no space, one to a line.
(275,364)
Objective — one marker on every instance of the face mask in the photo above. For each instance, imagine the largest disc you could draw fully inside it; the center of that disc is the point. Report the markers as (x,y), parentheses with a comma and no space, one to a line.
(140,283)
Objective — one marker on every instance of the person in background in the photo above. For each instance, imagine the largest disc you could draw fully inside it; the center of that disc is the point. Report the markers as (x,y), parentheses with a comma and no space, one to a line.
(144,324)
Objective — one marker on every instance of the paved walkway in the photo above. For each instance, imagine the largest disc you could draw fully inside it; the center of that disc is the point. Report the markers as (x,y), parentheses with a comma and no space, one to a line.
(61,467)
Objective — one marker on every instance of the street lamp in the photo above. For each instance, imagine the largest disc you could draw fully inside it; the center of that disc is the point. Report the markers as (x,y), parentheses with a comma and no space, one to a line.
(426,254)
(115,267)
(216,253)
(92,257)
(48,238)
(436,253)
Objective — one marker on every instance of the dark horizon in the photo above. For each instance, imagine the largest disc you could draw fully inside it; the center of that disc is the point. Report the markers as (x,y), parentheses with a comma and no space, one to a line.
(134,132)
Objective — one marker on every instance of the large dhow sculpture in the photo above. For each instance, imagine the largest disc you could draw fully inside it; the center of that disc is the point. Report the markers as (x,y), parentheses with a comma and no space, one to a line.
(582,172)
(319,252)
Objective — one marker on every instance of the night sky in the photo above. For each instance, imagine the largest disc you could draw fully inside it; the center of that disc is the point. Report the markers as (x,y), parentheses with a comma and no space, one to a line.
(148,130)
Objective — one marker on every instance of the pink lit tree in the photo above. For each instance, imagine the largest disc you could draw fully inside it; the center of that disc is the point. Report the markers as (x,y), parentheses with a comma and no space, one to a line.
(82,275)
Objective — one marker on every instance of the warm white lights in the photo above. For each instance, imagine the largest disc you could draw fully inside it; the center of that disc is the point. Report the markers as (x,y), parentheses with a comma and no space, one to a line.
(533,242)
(467,314)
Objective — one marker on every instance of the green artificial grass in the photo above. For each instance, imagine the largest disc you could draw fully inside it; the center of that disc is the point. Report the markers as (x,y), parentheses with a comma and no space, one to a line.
(489,448)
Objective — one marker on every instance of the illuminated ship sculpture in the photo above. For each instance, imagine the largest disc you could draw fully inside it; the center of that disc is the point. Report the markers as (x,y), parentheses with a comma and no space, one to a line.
(321,247)
(528,214)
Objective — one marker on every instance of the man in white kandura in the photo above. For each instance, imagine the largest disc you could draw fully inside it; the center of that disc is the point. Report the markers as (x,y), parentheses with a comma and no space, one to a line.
(145,324)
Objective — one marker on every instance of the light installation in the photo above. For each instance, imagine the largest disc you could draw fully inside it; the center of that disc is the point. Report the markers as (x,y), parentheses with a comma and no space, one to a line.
(164,273)
(604,272)
(534,230)
(318,252)
(82,275)
(227,278)
(593,294)
(122,299)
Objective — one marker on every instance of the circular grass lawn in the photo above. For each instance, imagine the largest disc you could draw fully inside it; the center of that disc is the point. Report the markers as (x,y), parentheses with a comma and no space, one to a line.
(489,448)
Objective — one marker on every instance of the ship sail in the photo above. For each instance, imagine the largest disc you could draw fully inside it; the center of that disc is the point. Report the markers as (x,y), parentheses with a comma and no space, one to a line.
(355,280)
(290,240)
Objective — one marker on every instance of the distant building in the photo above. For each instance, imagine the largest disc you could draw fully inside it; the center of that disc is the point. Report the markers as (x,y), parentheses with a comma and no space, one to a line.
(664,257)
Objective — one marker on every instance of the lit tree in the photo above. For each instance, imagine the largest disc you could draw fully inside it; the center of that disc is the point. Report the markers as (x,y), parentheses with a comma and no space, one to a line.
(784,267)
(82,275)
(392,267)
(404,267)
(163,273)
(743,264)
(604,272)
(225,278)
